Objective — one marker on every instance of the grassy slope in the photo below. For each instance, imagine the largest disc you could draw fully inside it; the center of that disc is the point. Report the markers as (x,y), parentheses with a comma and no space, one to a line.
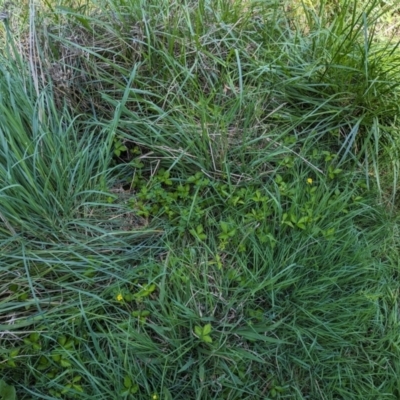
(197,201)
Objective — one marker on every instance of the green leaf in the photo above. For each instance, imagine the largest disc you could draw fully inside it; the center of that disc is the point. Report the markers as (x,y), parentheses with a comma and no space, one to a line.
(193,232)
(65,363)
(23,296)
(36,346)
(11,363)
(43,360)
(136,314)
(199,232)
(7,392)
(78,388)
(288,223)
(224,227)
(125,393)
(201,373)
(207,329)
(302,220)
(206,339)
(69,344)
(34,337)
(232,233)
(134,389)
(66,389)
(13,287)
(127,382)
(146,290)
(198,330)
(145,313)
(90,273)
(56,357)
(62,340)
(278,179)
(13,353)
(128,296)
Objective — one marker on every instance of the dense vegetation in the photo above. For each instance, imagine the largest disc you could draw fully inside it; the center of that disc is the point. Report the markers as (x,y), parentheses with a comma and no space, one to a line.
(198,200)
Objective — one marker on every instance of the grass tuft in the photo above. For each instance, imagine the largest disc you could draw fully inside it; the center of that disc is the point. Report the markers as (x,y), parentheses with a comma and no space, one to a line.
(198,200)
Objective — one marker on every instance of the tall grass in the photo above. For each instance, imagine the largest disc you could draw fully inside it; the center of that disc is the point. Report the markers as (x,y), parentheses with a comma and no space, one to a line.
(198,201)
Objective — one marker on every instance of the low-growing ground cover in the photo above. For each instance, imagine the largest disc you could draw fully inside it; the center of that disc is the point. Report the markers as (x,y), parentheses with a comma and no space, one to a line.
(198,200)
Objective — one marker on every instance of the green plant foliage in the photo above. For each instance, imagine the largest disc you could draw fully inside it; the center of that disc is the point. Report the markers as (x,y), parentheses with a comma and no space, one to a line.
(203,333)
(199,200)
(7,392)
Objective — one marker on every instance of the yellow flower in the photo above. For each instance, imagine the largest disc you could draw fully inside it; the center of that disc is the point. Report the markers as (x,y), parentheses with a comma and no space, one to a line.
(309,181)
(120,297)
(154,397)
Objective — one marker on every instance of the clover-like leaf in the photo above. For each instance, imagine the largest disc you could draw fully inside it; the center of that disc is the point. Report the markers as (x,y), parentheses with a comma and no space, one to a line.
(206,339)
(207,329)
(198,330)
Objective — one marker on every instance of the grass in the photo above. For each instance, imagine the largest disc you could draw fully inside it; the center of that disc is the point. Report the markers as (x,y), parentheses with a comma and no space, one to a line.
(198,200)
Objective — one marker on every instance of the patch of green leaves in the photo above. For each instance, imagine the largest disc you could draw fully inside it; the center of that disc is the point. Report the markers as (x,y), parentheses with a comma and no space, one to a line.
(204,333)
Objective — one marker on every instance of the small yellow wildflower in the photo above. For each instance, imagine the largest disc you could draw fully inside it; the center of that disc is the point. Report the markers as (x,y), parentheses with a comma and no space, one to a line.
(120,297)
(309,181)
